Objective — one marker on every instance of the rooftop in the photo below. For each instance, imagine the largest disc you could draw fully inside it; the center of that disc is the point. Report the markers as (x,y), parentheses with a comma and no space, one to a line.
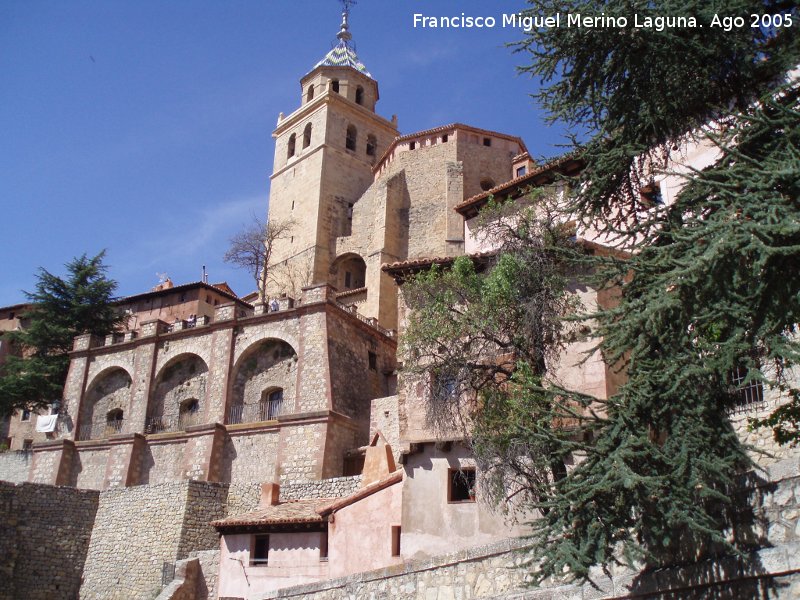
(343,54)
(285,513)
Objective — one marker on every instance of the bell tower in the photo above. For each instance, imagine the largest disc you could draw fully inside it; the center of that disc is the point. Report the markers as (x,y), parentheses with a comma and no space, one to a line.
(324,154)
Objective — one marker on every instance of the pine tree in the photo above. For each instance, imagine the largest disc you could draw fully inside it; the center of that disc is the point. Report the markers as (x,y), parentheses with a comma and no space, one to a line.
(707,291)
(61,308)
(711,287)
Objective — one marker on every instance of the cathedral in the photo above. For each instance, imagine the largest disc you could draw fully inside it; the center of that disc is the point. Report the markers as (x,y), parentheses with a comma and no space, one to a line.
(313,458)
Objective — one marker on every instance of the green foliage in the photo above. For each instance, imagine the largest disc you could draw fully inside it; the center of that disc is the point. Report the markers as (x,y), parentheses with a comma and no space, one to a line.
(708,289)
(61,309)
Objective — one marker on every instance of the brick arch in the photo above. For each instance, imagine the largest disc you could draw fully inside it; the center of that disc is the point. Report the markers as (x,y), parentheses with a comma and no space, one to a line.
(180,380)
(267,365)
(109,391)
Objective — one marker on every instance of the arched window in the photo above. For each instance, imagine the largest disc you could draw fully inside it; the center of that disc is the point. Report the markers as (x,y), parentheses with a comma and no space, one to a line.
(290,149)
(307,136)
(189,413)
(335,86)
(114,420)
(271,404)
(487,184)
(352,137)
(359,95)
(372,145)
(310,94)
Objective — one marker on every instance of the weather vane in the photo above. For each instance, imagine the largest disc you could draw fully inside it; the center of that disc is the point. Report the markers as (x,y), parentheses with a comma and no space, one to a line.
(346,5)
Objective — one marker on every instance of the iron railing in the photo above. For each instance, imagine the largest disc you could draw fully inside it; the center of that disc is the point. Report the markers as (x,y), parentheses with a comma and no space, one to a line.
(252,413)
(171,423)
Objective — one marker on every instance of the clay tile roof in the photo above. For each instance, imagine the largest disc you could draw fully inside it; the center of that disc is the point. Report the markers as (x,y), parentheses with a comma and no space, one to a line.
(399,270)
(294,511)
(352,292)
(565,165)
(368,490)
(221,288)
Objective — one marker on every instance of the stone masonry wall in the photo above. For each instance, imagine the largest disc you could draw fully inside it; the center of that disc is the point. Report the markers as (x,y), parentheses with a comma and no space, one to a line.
(137,529)
(335,487)
(44,539)
(14,466)
(250,456)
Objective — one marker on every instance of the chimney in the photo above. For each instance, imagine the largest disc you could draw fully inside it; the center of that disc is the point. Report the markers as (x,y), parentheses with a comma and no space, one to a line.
(270,493)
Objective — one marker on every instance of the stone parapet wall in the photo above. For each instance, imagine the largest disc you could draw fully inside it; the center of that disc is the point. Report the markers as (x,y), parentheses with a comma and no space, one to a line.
(498,571)
(15,466)
(335,487)
(138,529)
(44,539)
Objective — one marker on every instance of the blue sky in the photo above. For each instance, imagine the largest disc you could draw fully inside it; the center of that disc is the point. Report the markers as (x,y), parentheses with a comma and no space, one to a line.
(144,128)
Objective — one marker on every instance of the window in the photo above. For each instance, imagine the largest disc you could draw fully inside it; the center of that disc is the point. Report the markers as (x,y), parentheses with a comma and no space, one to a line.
(373,361)
(11,315)
(271,404)
(114,421)
(310,93)
(461,486)
(259,556)
(747,396)
(26,415)
(444,138)
(189,411)
(486,184)
(335,86)
(359,95)
(521,171)
(395,540)
(412,145)
(307,136)
(352,137)
(323,546)
(372,144)
(651,194)
(290,148)
(487,141)
(27,445)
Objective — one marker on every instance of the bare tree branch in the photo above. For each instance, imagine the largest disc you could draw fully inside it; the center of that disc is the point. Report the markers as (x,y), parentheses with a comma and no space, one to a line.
(252,248)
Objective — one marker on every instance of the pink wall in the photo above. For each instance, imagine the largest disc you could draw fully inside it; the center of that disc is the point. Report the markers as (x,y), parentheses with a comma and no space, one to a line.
(293,560)
(360,536)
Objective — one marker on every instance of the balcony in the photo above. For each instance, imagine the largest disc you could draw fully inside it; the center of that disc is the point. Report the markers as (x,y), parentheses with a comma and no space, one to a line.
(253,413)
(171,423)
(96,431)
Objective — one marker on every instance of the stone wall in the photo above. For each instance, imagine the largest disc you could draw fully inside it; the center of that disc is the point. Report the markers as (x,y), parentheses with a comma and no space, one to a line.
(496,571)
(138,529)
(44,539)
(15,466)
(250,456)
(335,487)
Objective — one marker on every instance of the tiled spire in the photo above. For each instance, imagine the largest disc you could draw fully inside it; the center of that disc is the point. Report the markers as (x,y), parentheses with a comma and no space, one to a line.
(343,54)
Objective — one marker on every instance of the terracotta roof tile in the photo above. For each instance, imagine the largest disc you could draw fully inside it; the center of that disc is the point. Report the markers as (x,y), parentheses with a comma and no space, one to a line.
(563,164)
(295,511)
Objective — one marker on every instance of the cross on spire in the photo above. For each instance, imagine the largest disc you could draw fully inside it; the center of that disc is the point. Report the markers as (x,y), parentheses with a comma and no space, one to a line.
(346,5)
